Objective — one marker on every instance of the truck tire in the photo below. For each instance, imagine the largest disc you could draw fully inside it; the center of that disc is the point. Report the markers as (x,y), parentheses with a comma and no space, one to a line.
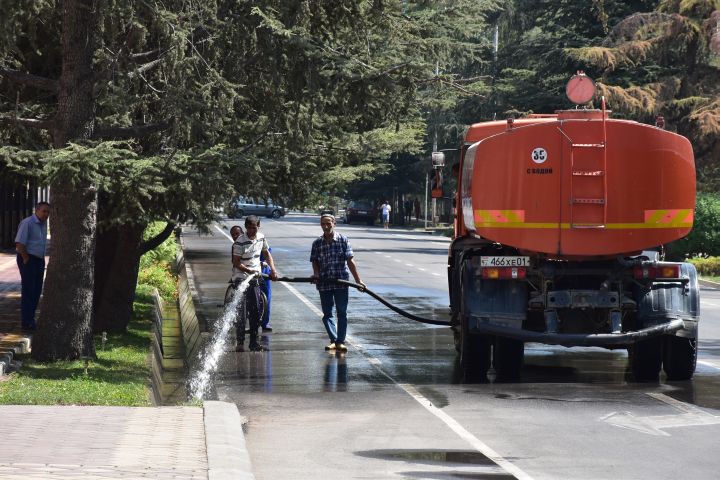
(474,351)
(508,356)
(679,358)
(646,359)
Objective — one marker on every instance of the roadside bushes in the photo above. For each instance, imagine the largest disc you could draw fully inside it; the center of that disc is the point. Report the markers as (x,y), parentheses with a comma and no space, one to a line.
(156,265)
(706,266)
(704,239)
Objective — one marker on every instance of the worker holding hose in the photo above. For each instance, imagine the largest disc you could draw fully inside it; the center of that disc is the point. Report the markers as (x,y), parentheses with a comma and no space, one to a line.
(331,257)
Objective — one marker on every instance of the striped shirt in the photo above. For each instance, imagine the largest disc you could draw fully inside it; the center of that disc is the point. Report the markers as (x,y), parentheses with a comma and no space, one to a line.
(332,257)
(249,251)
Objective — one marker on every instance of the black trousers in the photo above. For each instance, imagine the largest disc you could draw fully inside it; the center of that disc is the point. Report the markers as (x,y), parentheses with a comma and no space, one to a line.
(249,311)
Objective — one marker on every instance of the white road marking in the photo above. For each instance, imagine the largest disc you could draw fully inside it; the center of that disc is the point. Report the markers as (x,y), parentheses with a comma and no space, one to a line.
(396,260)
(710,363)
(705,302)
(223,232)
(475,442)
(409,265)
(436,274)
(688,416)
(421,269)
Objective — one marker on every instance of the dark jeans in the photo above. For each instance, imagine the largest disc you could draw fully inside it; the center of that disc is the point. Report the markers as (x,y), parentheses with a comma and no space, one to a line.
(267,288)
(31,275)
(251,305)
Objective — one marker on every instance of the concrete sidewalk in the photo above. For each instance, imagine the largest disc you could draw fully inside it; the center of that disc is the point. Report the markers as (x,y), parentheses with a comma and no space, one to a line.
(93,442)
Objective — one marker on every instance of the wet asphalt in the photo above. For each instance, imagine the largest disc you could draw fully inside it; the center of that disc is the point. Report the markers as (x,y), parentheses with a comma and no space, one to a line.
(397,404)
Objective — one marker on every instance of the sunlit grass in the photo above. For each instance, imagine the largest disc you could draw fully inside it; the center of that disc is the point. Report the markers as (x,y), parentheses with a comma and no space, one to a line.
(119,375)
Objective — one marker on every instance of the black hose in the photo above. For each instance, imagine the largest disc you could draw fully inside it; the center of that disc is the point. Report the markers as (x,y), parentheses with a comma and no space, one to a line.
(377,297)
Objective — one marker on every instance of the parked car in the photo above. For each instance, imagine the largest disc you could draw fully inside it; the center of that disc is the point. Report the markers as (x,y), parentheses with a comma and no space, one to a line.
(360,211)
(249,206)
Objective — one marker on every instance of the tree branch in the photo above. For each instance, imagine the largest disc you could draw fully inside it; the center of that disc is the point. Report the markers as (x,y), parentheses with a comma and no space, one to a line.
(135,131)
(35,81)
(145,67)
(27,122)
(157,239)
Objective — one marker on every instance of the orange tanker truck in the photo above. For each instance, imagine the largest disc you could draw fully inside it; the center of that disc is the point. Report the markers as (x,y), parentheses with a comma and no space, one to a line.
(561,222)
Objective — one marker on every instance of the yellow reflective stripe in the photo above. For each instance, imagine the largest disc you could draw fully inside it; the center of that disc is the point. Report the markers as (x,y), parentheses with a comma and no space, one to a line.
(499,216)
(609,226)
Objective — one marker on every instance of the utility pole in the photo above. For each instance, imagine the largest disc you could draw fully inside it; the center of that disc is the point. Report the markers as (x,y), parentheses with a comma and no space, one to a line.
(427,185)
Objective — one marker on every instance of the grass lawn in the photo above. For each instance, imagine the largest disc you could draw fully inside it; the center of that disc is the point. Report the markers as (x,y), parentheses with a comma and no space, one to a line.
(119,375)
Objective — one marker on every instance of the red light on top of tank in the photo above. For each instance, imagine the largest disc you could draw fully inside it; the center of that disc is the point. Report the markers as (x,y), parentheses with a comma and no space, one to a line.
(665,271)
(580,89)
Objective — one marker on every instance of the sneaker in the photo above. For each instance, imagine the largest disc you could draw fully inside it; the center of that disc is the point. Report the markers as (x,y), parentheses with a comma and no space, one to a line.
(330,347)
(267,329)
(256,347)
(341,347)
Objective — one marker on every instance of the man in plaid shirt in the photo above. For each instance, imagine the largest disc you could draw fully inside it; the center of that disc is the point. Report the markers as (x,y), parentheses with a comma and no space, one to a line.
(329,255)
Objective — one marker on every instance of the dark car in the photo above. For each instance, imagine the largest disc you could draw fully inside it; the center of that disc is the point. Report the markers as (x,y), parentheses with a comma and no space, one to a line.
(248,206)
(360,211)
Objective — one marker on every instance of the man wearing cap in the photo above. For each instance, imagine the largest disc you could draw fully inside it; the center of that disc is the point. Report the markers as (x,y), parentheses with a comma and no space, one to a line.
(331,256)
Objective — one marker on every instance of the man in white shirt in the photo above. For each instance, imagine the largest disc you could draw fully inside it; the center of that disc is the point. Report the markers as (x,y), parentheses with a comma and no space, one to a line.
(386,209)
(246,261)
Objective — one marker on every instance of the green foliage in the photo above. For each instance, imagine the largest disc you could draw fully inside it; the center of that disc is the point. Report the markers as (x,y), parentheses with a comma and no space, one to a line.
(704,239)
(706,266)
(156,265)
(164,253)
(159,276)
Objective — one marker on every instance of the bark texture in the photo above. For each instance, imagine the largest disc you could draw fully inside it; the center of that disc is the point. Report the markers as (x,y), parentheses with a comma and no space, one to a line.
(65,323)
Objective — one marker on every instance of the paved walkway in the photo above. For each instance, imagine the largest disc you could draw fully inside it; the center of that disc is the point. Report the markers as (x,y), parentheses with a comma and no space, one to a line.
(92,442)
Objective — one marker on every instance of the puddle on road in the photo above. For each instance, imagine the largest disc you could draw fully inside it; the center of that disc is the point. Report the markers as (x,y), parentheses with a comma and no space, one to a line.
(446,458)
(465,457)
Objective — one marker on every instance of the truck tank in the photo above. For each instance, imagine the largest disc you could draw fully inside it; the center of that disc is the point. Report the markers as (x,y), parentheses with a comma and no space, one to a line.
(579,184)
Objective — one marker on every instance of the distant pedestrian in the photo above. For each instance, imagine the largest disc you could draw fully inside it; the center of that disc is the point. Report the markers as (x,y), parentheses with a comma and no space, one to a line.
(331,256)
(407,207)
(417,209)
(30,243)
(385,209)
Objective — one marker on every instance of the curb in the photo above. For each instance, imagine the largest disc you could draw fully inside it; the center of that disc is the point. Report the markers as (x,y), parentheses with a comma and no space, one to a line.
(227,454)
(709,283)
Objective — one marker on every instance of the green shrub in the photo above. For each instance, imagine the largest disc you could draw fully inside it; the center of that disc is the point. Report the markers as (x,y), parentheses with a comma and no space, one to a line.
(160,277)
(163,253)
(704,239)
(156,265)
(706,266)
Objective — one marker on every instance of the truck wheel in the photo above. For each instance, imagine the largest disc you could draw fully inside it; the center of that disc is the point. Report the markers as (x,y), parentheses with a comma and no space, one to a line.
(679,358)
(508,356)
(474,351)
(646,360)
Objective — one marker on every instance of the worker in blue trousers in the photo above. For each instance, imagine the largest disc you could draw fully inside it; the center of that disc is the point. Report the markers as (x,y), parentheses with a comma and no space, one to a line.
(267,288)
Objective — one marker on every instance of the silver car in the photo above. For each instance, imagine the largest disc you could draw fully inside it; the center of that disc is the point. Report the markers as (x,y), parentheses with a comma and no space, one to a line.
(250,206)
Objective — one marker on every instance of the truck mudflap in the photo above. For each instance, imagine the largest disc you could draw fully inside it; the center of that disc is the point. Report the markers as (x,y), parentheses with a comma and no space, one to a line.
(607,340)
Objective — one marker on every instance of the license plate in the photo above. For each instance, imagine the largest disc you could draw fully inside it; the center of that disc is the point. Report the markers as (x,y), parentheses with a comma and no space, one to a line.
(504,261)
(362,212)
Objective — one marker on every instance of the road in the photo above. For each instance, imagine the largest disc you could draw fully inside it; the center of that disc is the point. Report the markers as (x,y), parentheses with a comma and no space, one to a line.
(397,405)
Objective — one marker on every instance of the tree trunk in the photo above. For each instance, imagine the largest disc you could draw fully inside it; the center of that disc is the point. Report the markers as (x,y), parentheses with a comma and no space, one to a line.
(117,262)
(64,326)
